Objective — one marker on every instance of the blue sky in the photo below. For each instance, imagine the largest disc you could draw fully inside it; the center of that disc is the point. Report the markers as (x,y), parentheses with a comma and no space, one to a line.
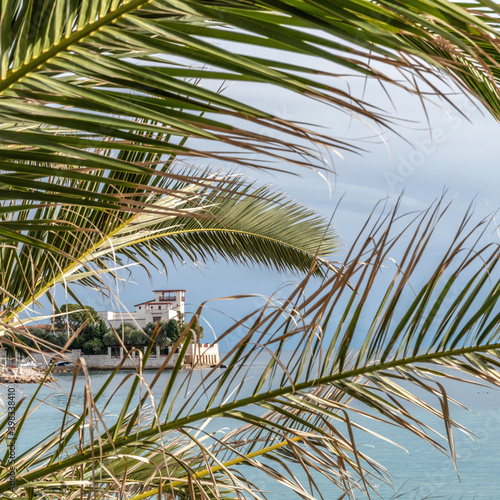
(455,154)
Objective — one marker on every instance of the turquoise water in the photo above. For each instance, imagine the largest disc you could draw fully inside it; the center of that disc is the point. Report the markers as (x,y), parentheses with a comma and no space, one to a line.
(419,472)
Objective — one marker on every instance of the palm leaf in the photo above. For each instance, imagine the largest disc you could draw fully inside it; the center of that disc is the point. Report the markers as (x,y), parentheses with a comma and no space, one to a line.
(305,408)
(96,106)
(244,224)
(66,65)
(97,101)
(221,216)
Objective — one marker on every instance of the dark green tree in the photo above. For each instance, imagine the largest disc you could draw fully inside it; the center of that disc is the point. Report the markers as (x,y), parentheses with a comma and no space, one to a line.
(48,333)
(94,346)
(109,339)
(90,331)
(131,335)
(161,328)
(74,316)
(11,351)
(173,330)
(196,327)
(38,332)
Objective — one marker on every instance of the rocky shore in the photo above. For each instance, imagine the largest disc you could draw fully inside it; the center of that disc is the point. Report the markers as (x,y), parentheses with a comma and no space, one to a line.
(23,375)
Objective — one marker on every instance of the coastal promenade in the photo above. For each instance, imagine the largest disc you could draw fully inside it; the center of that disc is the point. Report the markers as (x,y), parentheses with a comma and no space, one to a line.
(201,355)
(197,355)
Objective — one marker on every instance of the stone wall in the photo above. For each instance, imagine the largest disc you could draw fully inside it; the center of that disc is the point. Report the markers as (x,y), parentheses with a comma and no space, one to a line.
(42,359)
(196,354)
(111,359)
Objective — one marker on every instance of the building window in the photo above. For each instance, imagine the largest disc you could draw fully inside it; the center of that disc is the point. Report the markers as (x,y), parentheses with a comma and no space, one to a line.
(156,319)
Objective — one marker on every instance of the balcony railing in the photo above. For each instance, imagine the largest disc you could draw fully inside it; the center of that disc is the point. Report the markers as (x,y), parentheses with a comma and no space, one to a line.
(167,298)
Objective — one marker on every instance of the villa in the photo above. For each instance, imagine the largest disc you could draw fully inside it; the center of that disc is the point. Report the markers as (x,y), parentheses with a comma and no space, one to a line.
(167,305)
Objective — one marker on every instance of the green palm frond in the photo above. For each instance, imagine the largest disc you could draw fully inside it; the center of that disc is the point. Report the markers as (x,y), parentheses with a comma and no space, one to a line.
(99,99)
(221,216)
(108,89)
(241,223)
(356,353)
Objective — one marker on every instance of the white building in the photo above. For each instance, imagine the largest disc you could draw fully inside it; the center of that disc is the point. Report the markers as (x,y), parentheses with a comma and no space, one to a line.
(167,304)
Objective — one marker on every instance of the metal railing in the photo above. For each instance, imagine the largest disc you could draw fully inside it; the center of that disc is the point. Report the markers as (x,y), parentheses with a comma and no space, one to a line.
(166,298)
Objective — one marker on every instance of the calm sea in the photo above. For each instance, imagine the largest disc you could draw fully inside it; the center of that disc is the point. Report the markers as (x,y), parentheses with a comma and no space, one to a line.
(418,472)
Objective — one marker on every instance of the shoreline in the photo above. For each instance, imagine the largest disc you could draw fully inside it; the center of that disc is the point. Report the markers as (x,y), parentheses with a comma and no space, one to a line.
(28,375)
(24,375)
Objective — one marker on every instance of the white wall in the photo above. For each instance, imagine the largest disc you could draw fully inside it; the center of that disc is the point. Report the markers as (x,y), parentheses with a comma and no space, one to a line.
(203,354)
(196,354)
(107,361)
(144,313)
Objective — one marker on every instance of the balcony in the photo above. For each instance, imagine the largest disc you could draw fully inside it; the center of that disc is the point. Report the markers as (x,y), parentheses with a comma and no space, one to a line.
(166,298)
